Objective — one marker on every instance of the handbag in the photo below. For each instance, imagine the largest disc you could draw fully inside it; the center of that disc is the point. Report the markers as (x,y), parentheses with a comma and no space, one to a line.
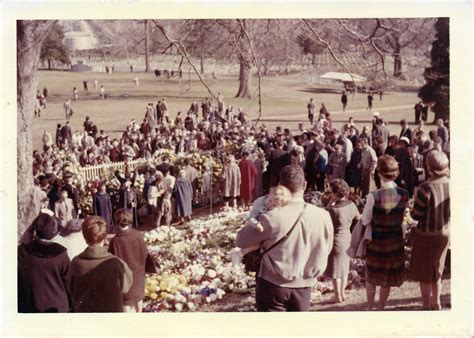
(150,264)
(253,259)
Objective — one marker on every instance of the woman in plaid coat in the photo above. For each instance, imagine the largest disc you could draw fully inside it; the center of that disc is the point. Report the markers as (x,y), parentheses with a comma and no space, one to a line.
(385,257)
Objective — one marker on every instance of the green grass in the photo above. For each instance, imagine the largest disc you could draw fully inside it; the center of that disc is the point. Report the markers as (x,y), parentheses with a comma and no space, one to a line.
(284,100)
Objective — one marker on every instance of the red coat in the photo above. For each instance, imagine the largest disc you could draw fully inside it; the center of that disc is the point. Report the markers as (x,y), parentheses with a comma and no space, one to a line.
(248,172)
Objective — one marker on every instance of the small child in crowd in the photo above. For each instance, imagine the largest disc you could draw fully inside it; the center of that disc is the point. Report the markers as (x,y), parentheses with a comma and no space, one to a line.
(278,197)
(166,208)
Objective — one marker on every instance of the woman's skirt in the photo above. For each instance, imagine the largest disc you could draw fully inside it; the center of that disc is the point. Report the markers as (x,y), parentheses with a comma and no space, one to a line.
(339,260)
(385,258)
(428,256)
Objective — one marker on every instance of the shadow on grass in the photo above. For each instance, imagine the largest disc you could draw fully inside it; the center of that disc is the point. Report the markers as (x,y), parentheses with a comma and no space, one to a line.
(321,90)
(365,121)
(405,304)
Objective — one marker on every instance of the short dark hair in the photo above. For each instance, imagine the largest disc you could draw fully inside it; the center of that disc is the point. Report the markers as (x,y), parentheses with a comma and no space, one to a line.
(340,188)
(388,167)
(123,217)
(292,177)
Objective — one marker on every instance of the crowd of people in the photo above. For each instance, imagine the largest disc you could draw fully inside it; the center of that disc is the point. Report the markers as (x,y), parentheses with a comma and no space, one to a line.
(364,161)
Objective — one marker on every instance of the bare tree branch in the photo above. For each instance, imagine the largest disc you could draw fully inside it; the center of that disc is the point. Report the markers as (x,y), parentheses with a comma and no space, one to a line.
(182,50)
(328,47)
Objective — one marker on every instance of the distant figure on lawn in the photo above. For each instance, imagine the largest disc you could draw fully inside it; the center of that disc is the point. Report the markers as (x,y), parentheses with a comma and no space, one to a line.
(418,110)
(311,110)
(67,109)
(370,99)
(75,93)
(102,92)
(84,84)
(344,101)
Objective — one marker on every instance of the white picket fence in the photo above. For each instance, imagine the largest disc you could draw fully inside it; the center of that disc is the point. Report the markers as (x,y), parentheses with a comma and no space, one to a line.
(96,172)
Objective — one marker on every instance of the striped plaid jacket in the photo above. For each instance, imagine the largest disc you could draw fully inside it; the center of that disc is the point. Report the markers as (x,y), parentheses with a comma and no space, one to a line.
(432,205)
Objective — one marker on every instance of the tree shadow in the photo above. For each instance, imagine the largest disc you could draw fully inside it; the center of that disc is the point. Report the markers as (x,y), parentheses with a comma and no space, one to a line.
(321,90)
(406,304)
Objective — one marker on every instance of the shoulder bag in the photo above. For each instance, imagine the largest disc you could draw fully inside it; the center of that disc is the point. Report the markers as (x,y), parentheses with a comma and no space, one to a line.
(252,259)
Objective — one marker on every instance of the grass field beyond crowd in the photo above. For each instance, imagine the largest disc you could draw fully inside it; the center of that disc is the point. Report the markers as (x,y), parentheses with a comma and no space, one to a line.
(284,100)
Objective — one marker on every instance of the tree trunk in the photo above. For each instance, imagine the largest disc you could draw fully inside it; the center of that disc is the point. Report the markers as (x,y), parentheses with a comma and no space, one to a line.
(202,63)
(397,61)
(313,59)
(49,64)
(30,37)
(244,78)
(147,51)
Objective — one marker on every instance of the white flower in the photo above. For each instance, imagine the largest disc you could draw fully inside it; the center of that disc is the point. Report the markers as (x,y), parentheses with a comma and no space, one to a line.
(179,307)
(211,273)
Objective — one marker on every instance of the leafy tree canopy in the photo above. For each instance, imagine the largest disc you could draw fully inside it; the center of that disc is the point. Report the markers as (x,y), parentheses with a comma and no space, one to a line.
(53,48)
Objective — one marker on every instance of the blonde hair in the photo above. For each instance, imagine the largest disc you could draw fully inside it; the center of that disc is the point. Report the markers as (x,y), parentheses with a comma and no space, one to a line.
(438,163)
(279,196)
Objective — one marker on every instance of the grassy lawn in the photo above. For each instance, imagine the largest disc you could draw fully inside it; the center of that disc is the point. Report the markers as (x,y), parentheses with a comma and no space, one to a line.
(284,100)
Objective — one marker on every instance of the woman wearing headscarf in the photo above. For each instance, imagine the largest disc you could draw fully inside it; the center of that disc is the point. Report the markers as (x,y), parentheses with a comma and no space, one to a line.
(102,206)
(231,181)
(337,163)
(183,195)
(385,256)
(432,236)
(43,269)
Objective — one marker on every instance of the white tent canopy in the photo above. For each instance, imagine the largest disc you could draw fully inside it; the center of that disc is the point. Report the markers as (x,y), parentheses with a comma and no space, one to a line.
(344,77)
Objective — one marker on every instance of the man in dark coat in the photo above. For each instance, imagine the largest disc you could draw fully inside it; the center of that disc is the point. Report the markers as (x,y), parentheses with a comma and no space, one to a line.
(59,137)
(43,270)
(344,101)
(406,131)
(194,108)
(129,246)
(72,191)
(66,133)
(205,106)
(418,110)
(127,196)
(405,179)
(370,99)
(278,159)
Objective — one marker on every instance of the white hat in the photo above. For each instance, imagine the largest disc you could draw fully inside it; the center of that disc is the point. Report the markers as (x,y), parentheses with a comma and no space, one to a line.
(405,139)
(376,113)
